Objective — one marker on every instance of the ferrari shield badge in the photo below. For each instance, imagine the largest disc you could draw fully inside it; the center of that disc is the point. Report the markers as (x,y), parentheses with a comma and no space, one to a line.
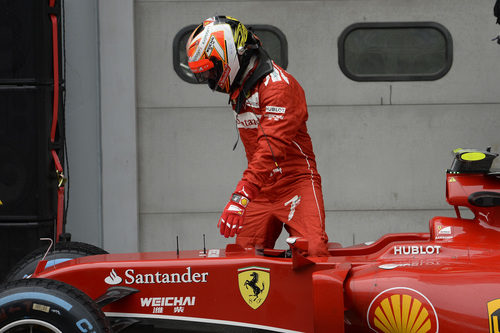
(254,285)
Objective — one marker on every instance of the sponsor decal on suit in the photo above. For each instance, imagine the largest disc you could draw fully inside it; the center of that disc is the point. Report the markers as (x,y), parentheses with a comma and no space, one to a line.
(275,109)
(247,120)
(293,202)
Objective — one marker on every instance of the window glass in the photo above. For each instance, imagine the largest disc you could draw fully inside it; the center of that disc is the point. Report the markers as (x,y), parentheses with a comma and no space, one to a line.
(273,41)
(395,51)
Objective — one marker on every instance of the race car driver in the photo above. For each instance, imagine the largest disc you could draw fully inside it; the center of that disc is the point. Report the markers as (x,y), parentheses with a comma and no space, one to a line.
(281,185)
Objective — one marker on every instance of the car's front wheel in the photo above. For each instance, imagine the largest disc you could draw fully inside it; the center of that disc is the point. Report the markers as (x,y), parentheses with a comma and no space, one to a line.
(48,306)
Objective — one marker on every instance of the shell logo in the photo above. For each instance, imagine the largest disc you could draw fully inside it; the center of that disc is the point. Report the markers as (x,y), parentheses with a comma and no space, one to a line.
(402,310)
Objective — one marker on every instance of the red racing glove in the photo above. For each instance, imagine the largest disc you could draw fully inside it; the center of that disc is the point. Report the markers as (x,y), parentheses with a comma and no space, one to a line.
(231,220)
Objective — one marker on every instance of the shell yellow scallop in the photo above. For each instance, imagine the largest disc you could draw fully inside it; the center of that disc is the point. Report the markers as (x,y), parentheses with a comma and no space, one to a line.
(402,310)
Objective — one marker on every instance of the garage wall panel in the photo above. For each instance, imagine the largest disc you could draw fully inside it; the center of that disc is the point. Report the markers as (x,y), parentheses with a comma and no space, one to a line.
(370,157)
(312,29)
(382,148)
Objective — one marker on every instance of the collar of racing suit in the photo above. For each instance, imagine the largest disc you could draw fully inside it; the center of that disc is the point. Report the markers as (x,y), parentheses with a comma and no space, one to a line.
(263,68)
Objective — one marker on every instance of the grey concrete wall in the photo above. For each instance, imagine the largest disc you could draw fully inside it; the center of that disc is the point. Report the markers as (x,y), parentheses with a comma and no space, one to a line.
(118,120)
(101,123)
(83,125)
(382,165)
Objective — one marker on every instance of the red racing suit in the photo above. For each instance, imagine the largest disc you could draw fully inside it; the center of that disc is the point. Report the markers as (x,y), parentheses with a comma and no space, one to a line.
(281,163)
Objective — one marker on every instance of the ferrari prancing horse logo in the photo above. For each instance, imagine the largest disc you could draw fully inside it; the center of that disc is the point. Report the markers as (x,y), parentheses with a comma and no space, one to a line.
(254,283)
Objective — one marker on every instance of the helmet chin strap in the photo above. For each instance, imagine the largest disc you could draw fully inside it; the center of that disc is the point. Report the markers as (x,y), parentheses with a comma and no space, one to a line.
(244,69)
(246,54)
(250,65)
(263,68)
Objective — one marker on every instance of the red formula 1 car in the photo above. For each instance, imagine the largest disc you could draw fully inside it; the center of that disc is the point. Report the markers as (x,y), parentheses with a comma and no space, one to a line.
(445,280)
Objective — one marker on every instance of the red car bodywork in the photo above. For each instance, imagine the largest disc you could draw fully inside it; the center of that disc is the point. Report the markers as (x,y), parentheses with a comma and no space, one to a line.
(445,280)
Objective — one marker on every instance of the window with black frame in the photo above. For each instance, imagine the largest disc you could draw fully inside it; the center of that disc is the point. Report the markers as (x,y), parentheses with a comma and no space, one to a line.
(273,40)
(398,51)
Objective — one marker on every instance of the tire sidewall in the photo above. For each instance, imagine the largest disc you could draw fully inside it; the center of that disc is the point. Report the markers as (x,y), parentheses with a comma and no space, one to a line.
(52,306)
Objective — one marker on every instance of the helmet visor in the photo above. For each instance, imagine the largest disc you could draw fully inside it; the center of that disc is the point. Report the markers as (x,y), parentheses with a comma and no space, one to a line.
(208,71)
(202,69)
(206,76)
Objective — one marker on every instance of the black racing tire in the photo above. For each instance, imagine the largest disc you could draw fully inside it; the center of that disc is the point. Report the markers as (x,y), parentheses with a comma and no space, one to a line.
(48,306)
(62,251)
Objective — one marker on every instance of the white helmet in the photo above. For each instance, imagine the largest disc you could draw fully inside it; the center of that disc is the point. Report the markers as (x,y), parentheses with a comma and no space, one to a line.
(214,49)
